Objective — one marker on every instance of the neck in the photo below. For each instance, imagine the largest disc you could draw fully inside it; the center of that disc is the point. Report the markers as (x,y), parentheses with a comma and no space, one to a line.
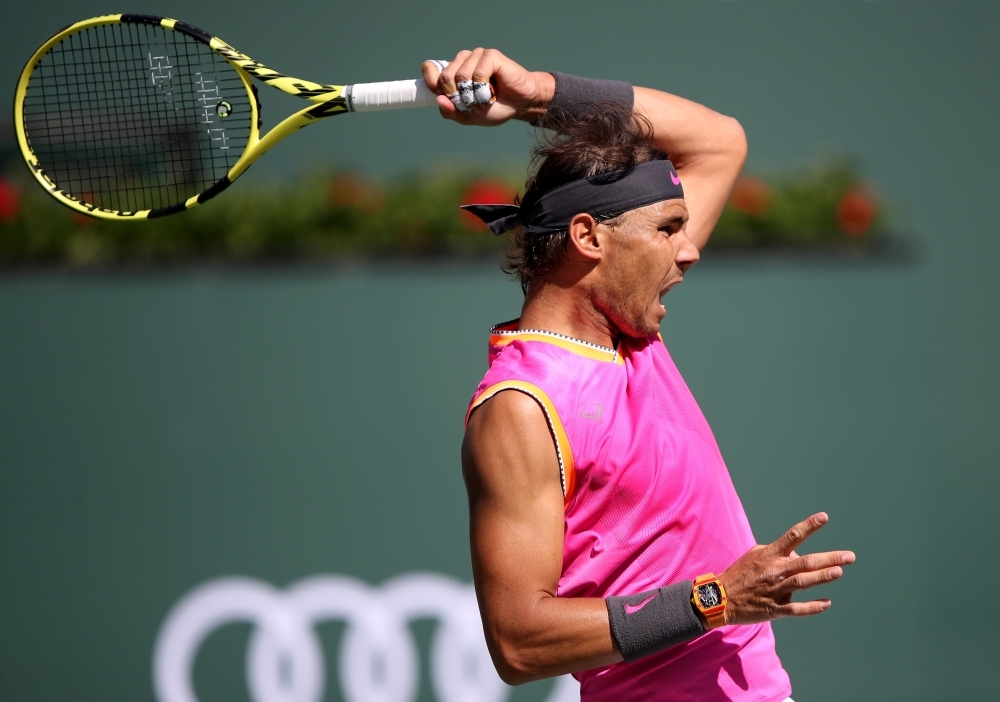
(567,310)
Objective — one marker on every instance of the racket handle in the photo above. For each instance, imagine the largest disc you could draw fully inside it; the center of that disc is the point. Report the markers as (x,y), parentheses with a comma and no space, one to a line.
(390,95)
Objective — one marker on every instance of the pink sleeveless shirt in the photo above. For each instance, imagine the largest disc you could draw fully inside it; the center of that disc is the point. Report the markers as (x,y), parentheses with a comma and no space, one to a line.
(649,502)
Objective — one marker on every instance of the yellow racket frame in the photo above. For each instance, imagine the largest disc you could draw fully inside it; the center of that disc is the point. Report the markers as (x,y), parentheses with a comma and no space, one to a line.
(329,101)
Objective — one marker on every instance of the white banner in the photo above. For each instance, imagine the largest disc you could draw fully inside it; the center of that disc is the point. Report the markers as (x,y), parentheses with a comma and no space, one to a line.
(378,658)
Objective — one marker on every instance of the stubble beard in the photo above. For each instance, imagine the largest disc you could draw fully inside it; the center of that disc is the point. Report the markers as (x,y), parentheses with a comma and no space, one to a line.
(625,307)
(624,297)
(629,320)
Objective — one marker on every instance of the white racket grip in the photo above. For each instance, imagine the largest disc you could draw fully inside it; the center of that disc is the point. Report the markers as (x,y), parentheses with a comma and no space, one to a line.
(390,95)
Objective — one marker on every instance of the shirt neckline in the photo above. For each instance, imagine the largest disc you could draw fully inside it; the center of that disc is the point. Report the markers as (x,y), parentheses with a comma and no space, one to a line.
(504,333)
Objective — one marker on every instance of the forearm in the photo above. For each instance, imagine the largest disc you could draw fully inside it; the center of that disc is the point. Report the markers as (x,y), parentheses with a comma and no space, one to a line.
(532,633)
(707,148)
(556,636)
(550,636)
(689,132)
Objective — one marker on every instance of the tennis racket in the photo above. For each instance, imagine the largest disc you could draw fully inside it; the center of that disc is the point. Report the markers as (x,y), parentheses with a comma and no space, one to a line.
(135,116)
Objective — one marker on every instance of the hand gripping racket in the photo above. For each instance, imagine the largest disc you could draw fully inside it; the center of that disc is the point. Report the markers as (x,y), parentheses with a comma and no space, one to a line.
(134,116)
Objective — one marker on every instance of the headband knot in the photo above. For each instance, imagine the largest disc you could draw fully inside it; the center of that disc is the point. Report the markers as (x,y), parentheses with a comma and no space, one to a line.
(603,196)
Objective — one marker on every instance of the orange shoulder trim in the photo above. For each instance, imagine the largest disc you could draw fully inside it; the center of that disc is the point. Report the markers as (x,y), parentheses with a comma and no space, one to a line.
(567,468)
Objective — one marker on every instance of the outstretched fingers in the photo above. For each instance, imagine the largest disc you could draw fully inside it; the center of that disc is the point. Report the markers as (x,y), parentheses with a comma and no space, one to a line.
(803,609)
(803,581)
(815,569)
(794,537)
(761,583)
(817,561)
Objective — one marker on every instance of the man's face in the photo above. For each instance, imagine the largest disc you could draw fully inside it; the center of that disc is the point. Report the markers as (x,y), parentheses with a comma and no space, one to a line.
(646,255)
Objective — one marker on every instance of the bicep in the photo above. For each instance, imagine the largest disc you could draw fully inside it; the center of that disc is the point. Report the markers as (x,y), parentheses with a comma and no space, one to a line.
(517,519)
(515,505)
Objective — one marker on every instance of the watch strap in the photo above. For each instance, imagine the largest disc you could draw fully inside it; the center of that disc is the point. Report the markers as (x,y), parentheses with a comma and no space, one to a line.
(716,620)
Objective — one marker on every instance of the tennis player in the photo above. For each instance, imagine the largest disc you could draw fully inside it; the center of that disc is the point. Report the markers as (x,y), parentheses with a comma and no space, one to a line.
(608,540)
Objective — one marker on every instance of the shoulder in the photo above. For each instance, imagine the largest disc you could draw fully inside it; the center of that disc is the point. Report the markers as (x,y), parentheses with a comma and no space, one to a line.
(507,441)
(508,428)
(508,410)
(508,453)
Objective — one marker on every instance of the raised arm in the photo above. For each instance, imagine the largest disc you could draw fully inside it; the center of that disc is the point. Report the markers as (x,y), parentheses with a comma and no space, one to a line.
(707,148)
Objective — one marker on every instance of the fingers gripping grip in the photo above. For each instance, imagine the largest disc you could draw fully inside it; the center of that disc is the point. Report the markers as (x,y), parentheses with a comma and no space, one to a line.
(472,93)
(390,95)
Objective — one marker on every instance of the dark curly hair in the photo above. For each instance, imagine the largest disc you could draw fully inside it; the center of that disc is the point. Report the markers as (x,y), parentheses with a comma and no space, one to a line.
(605,137)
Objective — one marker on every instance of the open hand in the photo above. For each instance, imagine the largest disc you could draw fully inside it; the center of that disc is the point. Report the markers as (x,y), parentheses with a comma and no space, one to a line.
(759,586)
(520,93)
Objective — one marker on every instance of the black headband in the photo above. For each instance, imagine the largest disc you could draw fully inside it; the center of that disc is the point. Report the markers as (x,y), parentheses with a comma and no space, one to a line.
(603,196)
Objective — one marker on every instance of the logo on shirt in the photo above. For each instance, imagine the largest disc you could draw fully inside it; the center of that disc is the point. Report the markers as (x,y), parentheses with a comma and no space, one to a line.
(592,412)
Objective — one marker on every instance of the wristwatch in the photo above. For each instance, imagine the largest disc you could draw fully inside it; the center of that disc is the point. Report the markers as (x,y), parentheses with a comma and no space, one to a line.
(709,598)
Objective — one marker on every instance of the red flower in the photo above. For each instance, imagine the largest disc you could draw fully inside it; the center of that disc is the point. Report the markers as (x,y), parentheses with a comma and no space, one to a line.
(485,191)
(751,197)
(352,190)
(10,201)
(855,212)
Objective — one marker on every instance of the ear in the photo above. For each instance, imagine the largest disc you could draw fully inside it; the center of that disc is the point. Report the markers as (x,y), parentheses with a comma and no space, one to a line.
(583,238)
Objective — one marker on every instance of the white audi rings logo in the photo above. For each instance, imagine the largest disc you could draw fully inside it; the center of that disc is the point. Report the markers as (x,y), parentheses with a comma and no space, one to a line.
(378,657)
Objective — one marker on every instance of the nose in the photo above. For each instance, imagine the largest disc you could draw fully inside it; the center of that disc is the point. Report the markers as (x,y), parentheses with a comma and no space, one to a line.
(687,253)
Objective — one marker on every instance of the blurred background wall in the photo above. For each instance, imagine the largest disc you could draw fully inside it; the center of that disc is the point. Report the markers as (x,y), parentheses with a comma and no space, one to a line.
(163,429)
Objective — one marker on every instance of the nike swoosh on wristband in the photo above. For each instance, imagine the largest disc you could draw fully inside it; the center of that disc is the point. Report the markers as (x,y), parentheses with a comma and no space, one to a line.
(675,179)
(632,609)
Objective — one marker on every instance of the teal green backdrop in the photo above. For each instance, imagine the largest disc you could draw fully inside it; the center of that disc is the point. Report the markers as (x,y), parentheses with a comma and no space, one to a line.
(159,429)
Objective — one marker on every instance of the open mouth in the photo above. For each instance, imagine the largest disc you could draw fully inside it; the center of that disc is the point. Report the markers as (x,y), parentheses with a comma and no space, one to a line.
(669,286)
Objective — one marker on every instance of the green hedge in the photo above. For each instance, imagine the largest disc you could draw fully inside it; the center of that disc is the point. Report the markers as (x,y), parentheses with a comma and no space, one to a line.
(342,215)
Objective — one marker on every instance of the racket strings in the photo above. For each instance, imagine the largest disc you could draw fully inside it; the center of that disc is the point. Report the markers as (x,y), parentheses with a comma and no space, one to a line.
(130,117)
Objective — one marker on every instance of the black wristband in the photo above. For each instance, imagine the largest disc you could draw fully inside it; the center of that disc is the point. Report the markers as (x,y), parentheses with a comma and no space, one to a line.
(575,95)
(652,621)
